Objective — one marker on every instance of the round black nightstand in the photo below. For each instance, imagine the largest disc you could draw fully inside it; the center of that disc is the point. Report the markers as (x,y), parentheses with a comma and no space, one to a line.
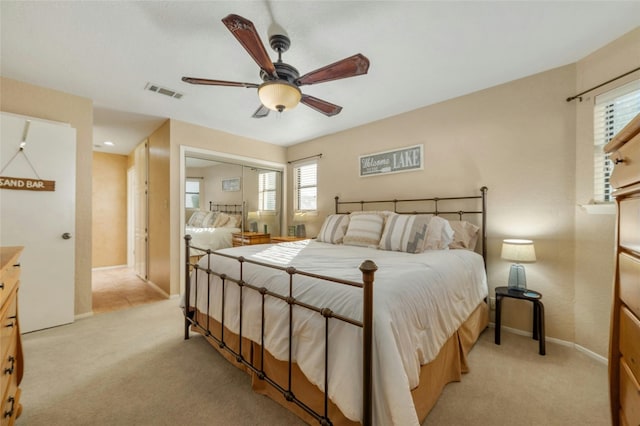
(538,311)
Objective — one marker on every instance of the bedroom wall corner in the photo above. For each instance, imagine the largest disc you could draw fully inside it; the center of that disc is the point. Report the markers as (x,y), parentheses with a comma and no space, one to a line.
(23,98)
(159,245)
(595,233)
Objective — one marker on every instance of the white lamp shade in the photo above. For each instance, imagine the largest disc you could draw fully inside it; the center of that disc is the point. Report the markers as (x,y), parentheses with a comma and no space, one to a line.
(279,95)
(518,250)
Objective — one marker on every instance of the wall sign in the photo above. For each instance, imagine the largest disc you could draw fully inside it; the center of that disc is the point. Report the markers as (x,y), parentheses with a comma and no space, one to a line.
(27,184)
(396,161)
(232,184)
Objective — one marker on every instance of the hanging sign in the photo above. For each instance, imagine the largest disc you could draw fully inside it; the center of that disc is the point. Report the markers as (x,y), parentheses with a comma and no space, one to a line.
(27,184)
(396,161)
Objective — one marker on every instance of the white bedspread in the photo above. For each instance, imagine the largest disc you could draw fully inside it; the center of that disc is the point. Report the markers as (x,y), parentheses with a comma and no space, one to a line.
(420,300)
(210,238)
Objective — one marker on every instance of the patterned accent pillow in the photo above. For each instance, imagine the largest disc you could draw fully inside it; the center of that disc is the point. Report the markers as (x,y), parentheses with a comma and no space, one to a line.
(333,229)
(465,235)
(212,218)
(199,218)
(439,234)
(221,220)
(364,230)
(405,232)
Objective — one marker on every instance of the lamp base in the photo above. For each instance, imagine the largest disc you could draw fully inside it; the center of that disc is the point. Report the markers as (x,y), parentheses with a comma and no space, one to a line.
(517,277)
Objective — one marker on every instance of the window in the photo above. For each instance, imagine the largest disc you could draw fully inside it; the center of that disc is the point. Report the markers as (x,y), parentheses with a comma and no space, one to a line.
(613,110)
(192,194)
(267,191)
(305,187)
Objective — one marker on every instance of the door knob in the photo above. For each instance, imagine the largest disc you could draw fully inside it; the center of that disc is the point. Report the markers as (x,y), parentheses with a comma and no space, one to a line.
(66,236)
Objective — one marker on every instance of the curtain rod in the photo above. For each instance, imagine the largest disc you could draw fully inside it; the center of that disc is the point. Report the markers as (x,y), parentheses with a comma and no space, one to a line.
(579,95)
(305,158)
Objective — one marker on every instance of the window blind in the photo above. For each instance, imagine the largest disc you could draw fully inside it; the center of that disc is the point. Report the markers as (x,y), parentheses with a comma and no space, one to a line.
(192,194)
(267,191)
(306,187)
(613,110)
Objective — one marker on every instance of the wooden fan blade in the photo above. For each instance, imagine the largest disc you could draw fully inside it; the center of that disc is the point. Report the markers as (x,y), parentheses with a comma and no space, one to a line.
(261,112)
(208,82)
(243,30)
(326,108)
(349,67)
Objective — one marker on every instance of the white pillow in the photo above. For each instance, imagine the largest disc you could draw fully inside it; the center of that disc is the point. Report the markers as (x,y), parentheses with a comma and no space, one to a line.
(439,234)
(365,229)
(405,232)
(333,229)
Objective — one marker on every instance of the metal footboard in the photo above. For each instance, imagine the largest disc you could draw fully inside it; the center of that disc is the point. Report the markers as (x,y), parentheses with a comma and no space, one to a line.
(367,268)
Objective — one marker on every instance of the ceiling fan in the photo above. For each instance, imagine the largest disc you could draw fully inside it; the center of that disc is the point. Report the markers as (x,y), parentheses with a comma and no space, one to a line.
(279,90)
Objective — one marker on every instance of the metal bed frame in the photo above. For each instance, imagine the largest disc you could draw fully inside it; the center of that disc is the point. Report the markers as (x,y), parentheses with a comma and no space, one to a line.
(367,268)
(226,208)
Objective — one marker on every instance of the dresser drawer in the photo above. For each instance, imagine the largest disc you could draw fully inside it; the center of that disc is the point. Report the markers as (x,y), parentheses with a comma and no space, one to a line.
(630,223)
(11,404)
(626,163)
(630,340)
(629,270)
(8,281)
(8,324)
(629,395)
(8,368)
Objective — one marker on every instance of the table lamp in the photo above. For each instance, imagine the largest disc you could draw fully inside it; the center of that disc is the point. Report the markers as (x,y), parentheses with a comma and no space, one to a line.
(518,251)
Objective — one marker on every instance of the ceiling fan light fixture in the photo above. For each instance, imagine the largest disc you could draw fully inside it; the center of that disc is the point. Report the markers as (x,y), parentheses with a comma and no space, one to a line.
(279,95)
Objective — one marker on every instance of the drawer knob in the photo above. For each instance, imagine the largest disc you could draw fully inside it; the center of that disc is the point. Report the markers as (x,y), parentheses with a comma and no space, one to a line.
(12,360)
(618,160)
(9,413)
(1,285)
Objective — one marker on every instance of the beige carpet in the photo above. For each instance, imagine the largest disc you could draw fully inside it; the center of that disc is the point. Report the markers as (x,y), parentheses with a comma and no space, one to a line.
(116,369)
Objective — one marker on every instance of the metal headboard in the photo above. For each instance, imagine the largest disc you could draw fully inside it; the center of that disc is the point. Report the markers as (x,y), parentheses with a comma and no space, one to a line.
(226,208)
(439,206)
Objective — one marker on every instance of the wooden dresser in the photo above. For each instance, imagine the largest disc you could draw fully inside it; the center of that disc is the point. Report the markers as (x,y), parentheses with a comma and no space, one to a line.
(250,238)
(624,345)
(11,363)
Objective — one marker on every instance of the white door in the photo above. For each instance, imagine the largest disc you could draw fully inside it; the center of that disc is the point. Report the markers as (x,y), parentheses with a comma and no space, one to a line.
(41,221)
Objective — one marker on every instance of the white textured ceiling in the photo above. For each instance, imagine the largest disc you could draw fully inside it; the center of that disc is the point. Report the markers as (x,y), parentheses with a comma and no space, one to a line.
(421,52)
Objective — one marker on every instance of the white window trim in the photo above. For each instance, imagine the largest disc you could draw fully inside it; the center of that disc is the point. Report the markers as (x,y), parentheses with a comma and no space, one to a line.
(607,207)
(296,207)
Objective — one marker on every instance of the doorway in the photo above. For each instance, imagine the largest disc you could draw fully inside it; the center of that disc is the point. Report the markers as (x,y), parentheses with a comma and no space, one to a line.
(119,278)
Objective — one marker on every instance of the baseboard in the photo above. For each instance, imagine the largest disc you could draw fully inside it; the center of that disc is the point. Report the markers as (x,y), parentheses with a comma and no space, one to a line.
(577,347)
(158,289)
(103,268)
(82,316)
(591,354)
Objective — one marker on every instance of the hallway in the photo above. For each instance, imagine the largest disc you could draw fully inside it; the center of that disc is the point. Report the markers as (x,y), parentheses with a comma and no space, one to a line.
(120,288)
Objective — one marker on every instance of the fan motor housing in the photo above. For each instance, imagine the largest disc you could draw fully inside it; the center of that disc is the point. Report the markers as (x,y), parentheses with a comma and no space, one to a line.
(285,72)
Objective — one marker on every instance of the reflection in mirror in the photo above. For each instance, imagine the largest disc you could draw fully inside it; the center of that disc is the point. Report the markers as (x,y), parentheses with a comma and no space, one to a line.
(222,198)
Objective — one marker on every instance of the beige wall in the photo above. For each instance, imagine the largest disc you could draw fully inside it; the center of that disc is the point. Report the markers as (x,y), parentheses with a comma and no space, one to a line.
(534,152)
(517,139)
(194,136)
(22,98)
(109,202)
(159,208)
(594,233)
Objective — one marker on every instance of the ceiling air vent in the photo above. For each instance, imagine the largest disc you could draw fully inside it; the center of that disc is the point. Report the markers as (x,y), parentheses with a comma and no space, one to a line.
(163,90)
